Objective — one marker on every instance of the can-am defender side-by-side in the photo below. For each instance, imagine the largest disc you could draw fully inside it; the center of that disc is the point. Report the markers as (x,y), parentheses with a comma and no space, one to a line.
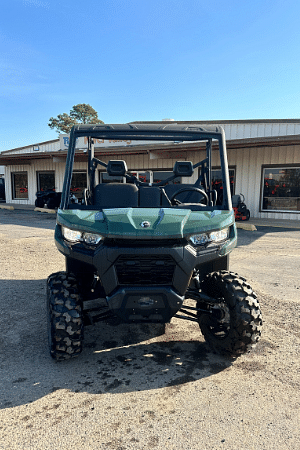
(146,247)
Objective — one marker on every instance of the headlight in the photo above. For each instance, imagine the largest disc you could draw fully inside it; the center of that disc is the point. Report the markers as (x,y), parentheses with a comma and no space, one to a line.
(213,236)
(77,236)
(91,238)
(71,235)
(218,236)
(200,239)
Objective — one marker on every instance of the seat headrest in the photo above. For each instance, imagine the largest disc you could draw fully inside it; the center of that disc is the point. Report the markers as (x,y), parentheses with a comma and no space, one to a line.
(116,168)
(183,169)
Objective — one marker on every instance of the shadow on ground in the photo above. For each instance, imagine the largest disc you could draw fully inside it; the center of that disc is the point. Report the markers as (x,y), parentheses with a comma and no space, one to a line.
(115,359)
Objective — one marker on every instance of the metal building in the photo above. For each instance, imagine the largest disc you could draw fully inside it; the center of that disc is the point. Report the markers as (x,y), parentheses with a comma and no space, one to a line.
(263,157)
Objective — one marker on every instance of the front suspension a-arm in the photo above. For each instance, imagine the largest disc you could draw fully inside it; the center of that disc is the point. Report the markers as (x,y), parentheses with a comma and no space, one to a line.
(199,296)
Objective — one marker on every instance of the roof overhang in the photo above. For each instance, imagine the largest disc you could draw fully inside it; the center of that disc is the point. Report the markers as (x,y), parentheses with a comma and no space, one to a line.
(80,155)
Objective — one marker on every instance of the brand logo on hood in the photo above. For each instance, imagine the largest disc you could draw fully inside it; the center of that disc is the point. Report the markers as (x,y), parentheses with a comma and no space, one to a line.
(145,224)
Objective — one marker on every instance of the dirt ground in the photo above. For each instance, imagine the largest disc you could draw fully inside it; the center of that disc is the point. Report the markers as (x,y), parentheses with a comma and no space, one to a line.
(147,387)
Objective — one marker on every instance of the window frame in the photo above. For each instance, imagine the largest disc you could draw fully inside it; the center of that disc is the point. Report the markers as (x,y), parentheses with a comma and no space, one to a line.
(261,199)
(47,172)
(13,185)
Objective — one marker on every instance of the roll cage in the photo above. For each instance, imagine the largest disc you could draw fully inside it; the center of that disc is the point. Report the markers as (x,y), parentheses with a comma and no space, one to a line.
(173,132)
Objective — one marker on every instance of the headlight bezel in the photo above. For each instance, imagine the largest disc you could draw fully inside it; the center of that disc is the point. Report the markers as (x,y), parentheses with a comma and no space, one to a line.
(77,236)
(212,237)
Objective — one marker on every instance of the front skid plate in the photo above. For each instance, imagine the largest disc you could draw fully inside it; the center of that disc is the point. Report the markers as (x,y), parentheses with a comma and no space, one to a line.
(137,306)
(151,304)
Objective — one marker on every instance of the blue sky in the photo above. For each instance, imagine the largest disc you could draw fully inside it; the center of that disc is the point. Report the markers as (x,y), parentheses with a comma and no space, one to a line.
(145,60)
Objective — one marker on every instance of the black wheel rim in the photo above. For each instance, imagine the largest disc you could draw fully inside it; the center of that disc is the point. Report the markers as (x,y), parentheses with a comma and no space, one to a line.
(219,328)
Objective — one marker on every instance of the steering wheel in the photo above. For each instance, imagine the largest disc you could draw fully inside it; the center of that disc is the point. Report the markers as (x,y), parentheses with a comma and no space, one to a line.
(186,189)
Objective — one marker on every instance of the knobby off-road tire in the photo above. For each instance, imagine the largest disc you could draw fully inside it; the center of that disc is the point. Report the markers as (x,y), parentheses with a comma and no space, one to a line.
(39,203)
(237,327)
(65,316)
(51,203)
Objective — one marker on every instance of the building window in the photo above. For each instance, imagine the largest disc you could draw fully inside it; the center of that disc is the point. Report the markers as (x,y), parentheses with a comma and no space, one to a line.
(46,181)
(146,176)
(78,184)
(216,179)
(143,176)
(281,189)
(149,176)
(105,178)
(19,185)
(161,175)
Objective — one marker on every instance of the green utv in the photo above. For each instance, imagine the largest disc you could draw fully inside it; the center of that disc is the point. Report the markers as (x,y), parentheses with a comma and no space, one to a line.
(146,247)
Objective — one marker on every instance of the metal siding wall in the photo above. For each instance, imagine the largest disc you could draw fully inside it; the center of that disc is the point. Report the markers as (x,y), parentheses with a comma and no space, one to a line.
(237,161)
(153,163)
(215,160)
(245,163)
(7,178)
(253,130)
(296,155)
(47,147)
(276,129)
(254,193)
(139,162)
(249,174)
(249,164)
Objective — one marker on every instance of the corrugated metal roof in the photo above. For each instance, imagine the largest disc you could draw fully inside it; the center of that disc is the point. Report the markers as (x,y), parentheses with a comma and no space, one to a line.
(235,130)
(248,129)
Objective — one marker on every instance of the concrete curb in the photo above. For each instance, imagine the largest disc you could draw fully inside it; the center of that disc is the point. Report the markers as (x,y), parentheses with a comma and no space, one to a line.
(246,226)
(11,208)
(45,210)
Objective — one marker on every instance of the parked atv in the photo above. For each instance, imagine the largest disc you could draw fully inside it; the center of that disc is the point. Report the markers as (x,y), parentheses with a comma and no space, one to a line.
(49,198)
(144,248)
(239,207)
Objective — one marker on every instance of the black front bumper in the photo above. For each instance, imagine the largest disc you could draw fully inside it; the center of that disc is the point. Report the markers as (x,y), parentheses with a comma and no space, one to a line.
(143,282)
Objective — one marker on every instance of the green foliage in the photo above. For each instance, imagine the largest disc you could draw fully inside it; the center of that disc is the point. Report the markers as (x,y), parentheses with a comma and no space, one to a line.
(81,113)
(62,123)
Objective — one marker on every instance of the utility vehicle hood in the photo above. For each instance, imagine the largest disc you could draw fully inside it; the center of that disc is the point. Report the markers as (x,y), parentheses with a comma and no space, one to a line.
(145,222)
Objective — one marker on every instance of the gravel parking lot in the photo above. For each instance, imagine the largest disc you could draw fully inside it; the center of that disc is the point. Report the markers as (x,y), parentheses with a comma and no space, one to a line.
(143,387)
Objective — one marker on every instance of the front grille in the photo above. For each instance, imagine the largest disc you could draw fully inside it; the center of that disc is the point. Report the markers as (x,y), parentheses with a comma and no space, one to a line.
(145,270)
(154,243)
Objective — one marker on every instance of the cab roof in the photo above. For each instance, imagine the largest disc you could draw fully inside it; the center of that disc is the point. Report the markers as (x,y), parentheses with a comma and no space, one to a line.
(149,131)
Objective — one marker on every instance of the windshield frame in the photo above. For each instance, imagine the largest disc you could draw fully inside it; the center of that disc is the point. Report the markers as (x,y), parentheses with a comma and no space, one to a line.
(173,133)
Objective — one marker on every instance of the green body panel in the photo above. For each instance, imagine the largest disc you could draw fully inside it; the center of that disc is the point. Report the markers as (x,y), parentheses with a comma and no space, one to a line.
(126,222)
